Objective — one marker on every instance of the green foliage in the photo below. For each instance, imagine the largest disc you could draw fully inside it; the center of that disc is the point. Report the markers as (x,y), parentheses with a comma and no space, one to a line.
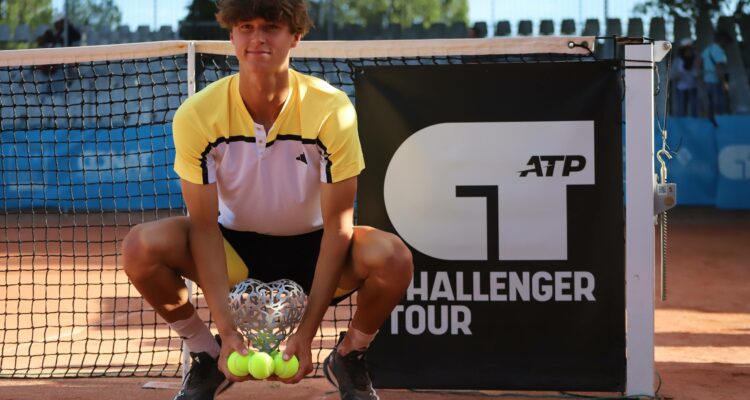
(200,22)
(39,12)
(94,13)
(201,10)
(403,12)
(29,12)
(364,12)
(691,8)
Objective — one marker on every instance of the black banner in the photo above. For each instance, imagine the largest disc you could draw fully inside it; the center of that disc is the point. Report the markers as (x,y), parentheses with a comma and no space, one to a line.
(505,180)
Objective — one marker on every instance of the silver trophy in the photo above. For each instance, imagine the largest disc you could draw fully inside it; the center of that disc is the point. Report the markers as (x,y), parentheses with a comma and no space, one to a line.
(267,313)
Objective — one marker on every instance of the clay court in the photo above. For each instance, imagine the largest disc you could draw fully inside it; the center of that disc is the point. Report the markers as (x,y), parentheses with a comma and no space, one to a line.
(702,331)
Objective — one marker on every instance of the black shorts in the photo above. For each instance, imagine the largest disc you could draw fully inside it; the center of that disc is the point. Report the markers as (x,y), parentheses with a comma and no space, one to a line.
(268,258)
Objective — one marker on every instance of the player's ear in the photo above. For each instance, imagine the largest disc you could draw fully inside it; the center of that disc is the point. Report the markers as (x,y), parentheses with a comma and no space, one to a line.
(231,36)
(297,38)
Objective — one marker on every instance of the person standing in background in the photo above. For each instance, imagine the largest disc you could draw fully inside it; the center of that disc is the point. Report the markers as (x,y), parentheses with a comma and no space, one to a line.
(686,80)
(56,37)
(715,77)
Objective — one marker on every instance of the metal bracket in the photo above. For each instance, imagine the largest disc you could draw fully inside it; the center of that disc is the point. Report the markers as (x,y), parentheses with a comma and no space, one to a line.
(665,197)
(661,49)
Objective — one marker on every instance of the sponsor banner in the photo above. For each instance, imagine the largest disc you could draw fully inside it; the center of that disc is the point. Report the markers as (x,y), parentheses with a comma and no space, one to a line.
(733,145)
(89,170)
(693,164)
(505,181)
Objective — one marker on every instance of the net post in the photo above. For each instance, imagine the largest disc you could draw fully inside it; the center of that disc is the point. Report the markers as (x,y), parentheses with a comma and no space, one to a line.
(188,282)
(191,68)
(185,351)
(639,218)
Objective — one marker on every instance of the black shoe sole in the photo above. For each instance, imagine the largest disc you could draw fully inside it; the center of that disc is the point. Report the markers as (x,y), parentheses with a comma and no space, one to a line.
(328,371)
(223,387)
(331,377)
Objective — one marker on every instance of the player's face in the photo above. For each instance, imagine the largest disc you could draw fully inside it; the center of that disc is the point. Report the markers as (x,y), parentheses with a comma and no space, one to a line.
(263,46)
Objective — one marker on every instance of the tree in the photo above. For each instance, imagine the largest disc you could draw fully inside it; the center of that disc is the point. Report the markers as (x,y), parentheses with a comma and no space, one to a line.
(201,10)
(691,8)
(29,12)
(93,13)
(401,12)
(200,22)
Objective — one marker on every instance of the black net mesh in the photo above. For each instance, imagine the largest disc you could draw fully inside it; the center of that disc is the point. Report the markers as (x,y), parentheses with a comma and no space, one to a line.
(86,154)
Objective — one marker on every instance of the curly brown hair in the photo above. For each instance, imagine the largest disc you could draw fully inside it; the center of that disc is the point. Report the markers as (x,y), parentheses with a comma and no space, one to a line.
(292,12)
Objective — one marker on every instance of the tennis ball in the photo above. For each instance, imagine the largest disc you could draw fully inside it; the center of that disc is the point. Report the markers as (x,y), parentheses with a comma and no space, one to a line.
(237,364)
(260,365)
(285,369)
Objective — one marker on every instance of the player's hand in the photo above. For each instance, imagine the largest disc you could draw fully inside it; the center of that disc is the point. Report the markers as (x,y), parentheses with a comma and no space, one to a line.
(301,347)
(232,341)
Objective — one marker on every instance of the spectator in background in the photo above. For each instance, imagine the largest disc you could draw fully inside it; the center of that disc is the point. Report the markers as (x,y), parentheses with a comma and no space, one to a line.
(715,77)
(686,80)
(46,39)
(56,38)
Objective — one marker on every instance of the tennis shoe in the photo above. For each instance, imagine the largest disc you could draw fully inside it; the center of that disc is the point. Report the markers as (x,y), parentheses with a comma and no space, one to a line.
(204,381)
(349,374)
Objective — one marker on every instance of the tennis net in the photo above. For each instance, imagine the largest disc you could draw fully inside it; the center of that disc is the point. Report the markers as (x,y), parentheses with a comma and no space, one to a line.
(86,154)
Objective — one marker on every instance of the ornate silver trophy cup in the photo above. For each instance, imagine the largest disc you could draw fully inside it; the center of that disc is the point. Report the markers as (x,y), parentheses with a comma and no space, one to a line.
(267,313)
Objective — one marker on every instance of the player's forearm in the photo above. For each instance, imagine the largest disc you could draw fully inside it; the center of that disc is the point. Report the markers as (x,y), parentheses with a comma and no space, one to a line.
(207,247)
(333,250)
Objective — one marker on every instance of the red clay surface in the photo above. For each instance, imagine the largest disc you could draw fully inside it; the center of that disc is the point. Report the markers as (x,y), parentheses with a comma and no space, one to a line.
(702,331)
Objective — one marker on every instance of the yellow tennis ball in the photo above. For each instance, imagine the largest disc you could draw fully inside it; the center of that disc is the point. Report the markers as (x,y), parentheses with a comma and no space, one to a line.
(285,369)
(237,364)
(260,365)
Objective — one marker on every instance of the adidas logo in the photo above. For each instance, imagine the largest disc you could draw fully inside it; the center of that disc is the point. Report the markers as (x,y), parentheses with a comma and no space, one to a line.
(302,158)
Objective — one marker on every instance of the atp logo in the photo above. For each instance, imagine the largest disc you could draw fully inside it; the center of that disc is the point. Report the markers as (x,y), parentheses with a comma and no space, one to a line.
(489,190)
(734,162)
(570,164)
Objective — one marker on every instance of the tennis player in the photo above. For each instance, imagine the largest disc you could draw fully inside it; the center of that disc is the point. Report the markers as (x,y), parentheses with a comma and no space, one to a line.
(273,156)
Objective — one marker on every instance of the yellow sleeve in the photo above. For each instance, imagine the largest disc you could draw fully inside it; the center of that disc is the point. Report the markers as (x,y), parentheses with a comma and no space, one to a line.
(339,140)
(189,146)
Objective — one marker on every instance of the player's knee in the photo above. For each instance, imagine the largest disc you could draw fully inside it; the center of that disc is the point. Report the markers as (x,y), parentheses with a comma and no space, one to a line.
(137,250)
(396,260)
(401,260)
(130,249)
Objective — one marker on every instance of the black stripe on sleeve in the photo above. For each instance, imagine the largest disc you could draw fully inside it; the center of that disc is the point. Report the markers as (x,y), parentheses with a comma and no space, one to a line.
(325,155)
(211,146)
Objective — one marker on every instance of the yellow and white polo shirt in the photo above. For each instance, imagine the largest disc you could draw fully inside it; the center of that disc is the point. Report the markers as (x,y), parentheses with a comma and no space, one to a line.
(268,182)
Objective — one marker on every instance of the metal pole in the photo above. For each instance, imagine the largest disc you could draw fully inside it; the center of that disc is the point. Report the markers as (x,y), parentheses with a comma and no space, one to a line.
(65,25)
(606,10)
(639,219)
(330,19)
(155,20)
(492,19)
(188,283)
(580,11)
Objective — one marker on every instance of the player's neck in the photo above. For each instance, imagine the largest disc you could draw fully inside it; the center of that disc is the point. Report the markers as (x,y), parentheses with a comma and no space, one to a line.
(264,95)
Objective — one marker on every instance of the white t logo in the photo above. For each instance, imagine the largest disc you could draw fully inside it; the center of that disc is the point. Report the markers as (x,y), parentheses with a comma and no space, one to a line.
(489,190)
